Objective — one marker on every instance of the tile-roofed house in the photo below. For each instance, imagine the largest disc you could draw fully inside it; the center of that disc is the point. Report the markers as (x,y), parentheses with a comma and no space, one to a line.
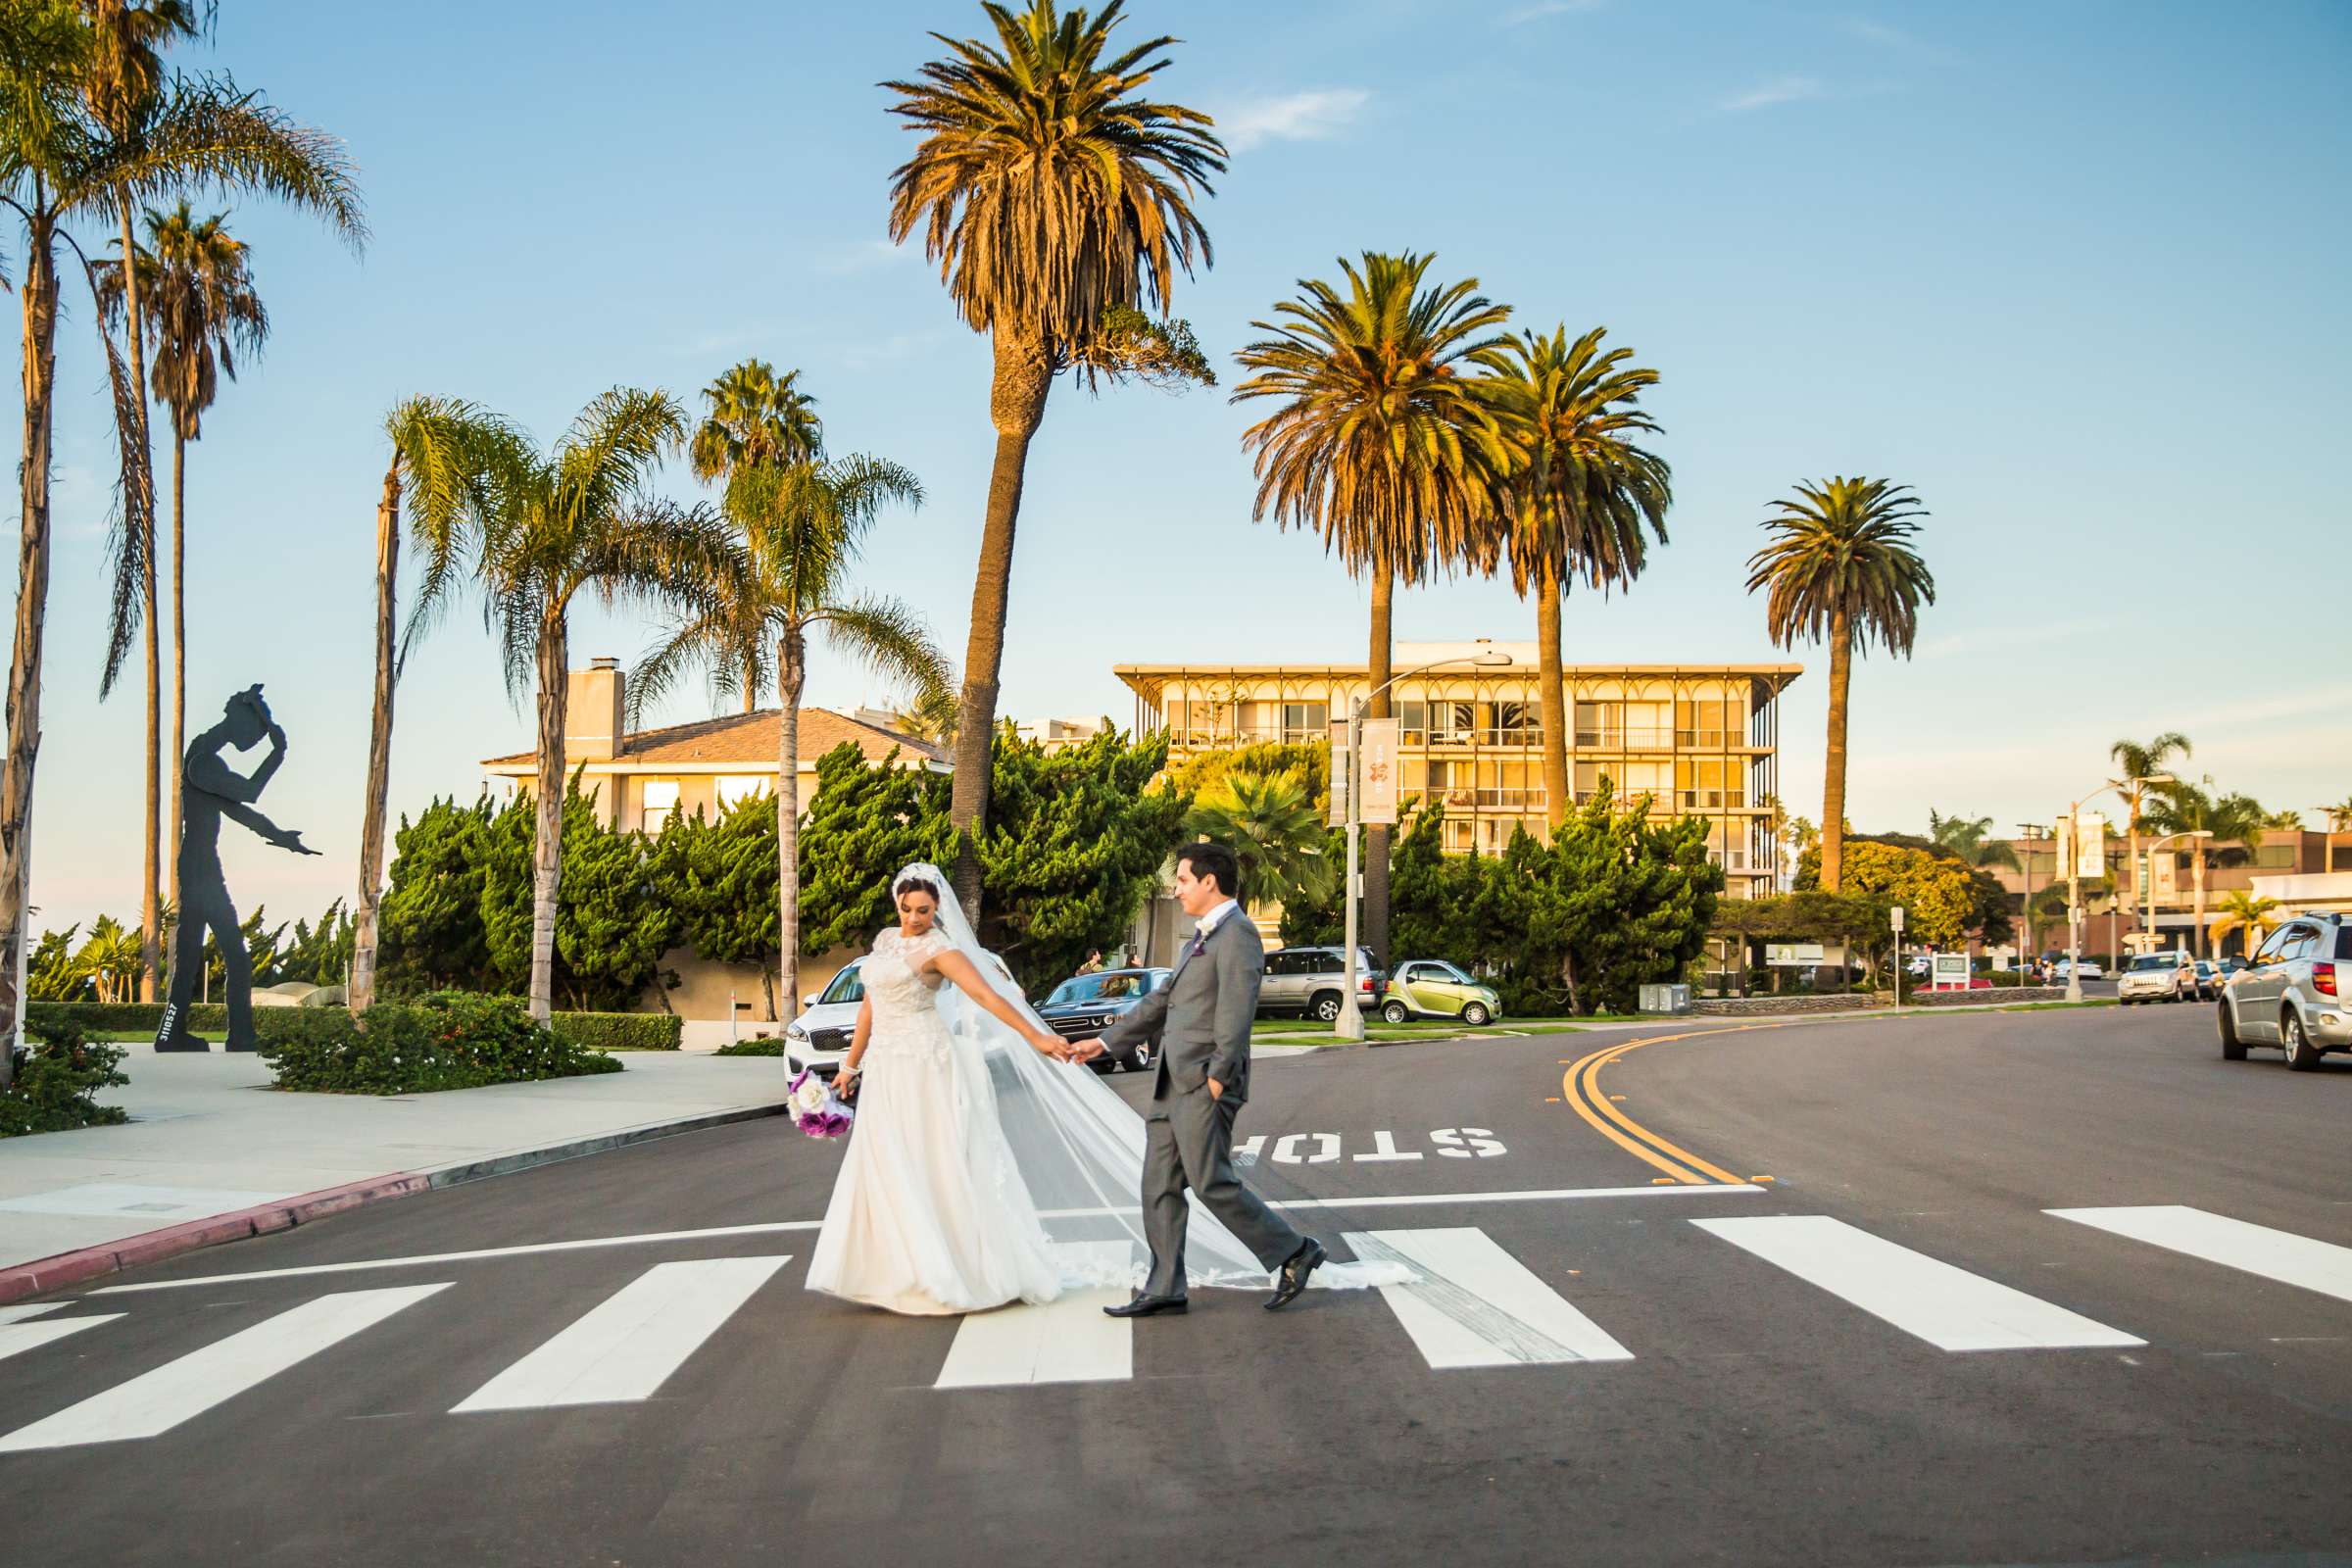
(642,776)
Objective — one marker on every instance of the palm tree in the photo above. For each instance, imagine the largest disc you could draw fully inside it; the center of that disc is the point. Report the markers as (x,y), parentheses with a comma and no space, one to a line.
(109,960)
(121,89)
(799,530)
(2339,818)
(1969,839)
(1277,835)
(2141,760)
(1576,494)
(756,417)
(931,714)
(1841,564)
(58,165)
(1380,445)
(445,456)
(2246,911)
(1054,196)
(201,312)
(554,526)
(2236,820)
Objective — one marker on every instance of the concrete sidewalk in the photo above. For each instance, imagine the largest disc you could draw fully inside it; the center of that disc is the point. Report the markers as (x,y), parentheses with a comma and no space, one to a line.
(210,1140)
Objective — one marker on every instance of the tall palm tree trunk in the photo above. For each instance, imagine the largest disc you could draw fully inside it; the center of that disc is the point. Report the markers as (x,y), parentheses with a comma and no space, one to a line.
(379,751)
(1554,698)
(1832,790)
(546,847)
(151,924)
(38,294)
(179,647)
(791,651)
(1016,403)
(1376,839)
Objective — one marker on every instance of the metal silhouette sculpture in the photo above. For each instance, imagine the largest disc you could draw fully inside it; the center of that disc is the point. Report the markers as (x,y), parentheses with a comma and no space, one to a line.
(209,791)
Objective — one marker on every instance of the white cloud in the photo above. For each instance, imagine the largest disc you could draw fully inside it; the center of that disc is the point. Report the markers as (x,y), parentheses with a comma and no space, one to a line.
(1546,7)
(1312,115)
(1779,91)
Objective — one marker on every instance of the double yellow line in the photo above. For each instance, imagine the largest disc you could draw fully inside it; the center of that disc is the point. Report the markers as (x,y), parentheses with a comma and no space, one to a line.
(1579,1086)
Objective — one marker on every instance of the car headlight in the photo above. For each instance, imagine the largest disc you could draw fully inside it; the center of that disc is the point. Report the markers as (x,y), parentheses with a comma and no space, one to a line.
(795,1032)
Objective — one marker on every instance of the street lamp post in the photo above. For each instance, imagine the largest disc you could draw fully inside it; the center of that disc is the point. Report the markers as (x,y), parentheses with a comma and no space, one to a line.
(1350,1026)
(2149,878)
(2073,876)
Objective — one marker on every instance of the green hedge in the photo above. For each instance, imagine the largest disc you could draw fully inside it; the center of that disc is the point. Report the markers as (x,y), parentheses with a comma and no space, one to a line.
(57,1082)
(451,1040)
(756,1046)
(622,1031)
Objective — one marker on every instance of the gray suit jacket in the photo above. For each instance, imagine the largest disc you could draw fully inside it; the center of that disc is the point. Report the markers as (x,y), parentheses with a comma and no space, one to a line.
(1200,1019)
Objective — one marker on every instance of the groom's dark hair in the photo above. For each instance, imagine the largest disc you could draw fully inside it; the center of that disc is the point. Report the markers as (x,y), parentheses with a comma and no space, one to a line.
(1214,860)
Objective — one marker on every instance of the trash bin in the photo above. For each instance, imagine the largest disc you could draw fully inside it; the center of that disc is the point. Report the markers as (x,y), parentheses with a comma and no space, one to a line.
(1666,998)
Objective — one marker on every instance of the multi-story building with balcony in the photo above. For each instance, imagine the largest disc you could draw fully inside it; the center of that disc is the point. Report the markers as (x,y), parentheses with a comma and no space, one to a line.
(1700,740)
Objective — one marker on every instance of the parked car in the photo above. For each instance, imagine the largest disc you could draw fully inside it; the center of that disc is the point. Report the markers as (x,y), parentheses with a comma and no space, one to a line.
(1431,987)
(1085,1004)
(2209,980)
(2090,969)
(2228,969)
(2157,977)
(1306,982)
(823,1030)
(2292,994)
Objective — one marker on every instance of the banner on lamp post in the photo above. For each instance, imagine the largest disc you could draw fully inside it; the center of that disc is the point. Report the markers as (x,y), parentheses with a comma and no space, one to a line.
(1380,772)
(2090,845)
(1339,772)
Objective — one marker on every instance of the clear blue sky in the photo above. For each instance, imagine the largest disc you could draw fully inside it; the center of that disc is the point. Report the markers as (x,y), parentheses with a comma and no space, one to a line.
(2075,271)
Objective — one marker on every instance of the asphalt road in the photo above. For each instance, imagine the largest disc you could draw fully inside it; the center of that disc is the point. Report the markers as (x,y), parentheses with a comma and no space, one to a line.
(1628,1347)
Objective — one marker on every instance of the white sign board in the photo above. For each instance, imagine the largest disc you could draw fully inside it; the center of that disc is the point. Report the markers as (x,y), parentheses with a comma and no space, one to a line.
(2090,845)
(1379,771)
(1894,918)
(1948,969)
(1793,954)
(1339,772)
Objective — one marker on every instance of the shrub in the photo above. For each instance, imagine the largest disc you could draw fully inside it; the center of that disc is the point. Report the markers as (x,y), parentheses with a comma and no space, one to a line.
(757,1046)
(622,1031)
(450,1040)
(57,1083)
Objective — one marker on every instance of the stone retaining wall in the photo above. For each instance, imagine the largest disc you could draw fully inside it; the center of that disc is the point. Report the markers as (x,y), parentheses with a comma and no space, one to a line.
(1999,996)
(1758,1007)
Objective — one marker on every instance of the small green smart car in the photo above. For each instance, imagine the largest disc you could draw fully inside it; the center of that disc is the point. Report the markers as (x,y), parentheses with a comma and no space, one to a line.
(1431,987)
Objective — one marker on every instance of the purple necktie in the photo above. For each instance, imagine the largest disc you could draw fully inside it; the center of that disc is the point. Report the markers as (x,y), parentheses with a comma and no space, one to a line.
(1200,941)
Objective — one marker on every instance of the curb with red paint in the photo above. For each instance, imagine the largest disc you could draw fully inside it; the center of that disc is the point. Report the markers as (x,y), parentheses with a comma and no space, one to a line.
(46,1274)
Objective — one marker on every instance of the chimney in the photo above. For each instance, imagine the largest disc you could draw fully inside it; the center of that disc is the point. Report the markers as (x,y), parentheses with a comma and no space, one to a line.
(592,720)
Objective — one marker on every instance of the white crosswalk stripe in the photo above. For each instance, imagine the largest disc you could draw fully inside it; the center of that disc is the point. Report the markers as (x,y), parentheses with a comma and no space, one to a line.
(1474,1304)
(21,1311)
(1066,1340)
(1949,1307)
(157,1402)
(17,1337)
(630,1344)
(2274,1255)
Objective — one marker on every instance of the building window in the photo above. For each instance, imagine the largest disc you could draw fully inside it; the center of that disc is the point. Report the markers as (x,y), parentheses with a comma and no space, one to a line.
(1412,723)
(2278,857)
(1451,723)
(1305,723)
(1600,725)
(1707,724)
(659,803)
(1707,785)
(734,787)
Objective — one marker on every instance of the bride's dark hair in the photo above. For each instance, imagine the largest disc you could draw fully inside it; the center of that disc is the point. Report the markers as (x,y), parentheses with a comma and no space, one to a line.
(915,884)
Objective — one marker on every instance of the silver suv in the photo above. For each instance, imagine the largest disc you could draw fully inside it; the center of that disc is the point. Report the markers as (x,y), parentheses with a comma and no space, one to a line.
(2292,994)
(1308,982)
(2158,977)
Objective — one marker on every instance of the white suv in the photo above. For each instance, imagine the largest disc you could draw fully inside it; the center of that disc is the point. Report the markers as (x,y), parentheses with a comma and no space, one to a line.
(2292,994)
(2158,977)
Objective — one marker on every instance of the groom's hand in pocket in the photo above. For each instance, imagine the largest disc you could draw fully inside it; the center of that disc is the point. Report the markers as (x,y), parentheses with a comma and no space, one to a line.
(1216,1090)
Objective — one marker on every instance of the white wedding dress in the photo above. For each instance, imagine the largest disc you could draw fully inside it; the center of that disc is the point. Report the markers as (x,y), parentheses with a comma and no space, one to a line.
(980,1172)
(929,1214)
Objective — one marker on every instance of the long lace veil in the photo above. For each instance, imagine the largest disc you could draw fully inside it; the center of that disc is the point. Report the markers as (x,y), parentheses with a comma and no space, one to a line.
(1079,1147)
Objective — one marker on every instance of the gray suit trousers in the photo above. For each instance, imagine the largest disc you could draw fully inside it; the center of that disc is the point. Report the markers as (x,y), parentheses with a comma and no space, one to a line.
(1189,1143)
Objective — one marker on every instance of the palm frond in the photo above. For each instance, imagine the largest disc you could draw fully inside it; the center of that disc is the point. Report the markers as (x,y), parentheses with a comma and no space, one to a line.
(208,133)
(888,637)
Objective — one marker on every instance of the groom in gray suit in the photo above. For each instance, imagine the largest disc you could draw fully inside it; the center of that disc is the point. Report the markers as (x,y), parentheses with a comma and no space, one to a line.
(1200,1022)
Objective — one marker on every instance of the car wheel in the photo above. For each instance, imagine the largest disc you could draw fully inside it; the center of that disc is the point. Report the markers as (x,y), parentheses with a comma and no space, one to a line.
(1396,1012)
(1326,1007)
(2299,1052)
(1476,1014)
(2225,1025)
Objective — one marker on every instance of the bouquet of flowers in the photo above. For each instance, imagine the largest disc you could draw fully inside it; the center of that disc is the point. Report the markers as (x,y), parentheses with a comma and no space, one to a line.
(816,1108)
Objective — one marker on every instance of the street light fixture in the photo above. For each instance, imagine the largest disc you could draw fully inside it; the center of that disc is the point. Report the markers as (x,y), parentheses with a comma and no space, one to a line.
(2074,875)
(1350,1026)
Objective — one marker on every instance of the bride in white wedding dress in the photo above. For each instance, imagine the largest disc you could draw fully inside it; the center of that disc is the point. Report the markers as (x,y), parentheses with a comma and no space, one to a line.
(984,1166)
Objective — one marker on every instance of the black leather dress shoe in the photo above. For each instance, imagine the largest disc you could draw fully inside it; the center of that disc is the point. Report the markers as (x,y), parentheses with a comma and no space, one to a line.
(1148,1306)
(1293,1281)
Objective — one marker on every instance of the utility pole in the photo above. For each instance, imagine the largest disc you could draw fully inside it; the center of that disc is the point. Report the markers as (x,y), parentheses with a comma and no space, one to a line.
(2025,924)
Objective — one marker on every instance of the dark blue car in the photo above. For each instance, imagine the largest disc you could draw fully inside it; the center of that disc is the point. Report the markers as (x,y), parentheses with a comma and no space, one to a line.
(1085,1004)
